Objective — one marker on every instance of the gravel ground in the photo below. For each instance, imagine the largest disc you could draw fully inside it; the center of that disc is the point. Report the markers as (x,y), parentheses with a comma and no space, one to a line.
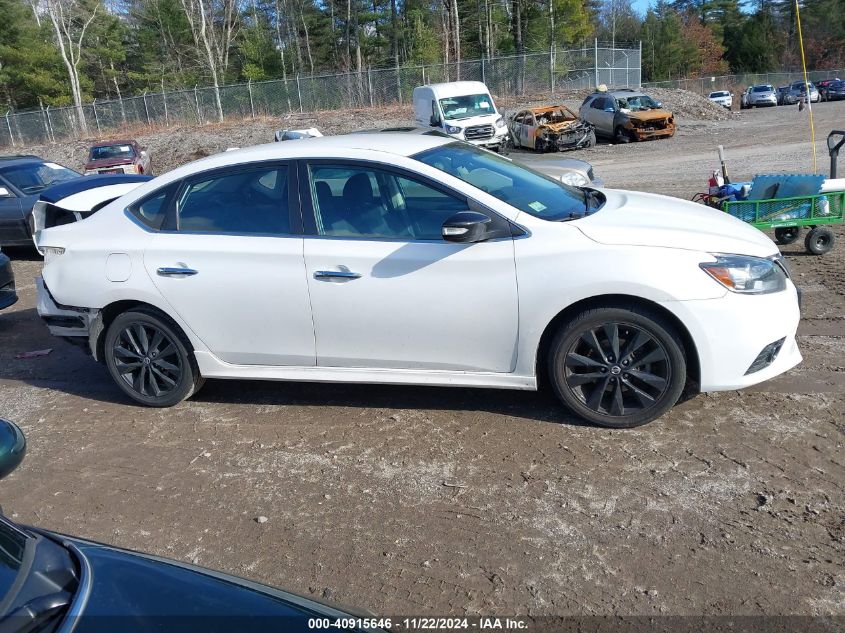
(437,501)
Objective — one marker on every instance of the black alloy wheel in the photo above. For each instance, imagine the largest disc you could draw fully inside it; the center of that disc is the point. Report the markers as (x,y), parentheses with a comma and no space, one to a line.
(618,368)
(149,359)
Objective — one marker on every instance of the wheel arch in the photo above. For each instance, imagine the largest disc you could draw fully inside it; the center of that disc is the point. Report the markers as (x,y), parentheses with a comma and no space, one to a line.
(111,311)
(614,301)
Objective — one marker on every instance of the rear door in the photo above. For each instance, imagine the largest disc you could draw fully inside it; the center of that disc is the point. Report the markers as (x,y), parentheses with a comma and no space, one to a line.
(601,119)
(229,261)
(387,291)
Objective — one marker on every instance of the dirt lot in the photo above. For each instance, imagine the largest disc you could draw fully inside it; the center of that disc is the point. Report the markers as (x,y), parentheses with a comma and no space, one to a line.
(438,501)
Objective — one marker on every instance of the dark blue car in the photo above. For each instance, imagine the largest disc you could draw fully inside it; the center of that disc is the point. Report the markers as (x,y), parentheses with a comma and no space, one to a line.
(22,179)
(60,584)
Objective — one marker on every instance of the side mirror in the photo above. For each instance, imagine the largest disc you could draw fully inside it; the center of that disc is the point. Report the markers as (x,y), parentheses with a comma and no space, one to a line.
(610,109)
(12,447)
(434,121)
(5,193)
(659,104)
(466,227)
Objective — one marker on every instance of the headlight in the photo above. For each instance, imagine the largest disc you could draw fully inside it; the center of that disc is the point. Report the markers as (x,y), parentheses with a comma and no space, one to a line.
(746,275)
(52,253)
(574,178)
(500,122)
(453,129)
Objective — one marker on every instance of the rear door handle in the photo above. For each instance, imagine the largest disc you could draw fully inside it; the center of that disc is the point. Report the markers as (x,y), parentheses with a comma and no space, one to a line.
(176,272)
(336,274)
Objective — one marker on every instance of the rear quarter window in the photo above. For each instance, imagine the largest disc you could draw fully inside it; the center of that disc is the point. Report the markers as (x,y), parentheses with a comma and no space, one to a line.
(151,210)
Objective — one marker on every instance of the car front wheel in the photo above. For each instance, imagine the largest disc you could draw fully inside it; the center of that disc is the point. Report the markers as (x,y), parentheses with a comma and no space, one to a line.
(150,359)
(618,367)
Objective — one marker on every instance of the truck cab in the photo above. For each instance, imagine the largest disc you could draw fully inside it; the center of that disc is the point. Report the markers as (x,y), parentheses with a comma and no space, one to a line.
(462,109)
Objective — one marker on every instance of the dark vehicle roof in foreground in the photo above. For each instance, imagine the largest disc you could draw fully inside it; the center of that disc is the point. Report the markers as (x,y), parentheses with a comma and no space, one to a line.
(23,159)
(57,192)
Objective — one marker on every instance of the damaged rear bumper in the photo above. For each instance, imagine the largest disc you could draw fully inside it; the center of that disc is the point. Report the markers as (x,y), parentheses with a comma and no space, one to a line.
(76,325)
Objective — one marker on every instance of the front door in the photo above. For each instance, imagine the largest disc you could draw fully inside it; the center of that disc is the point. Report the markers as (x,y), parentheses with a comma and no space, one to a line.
(388,292)
(231,265)
(12,227)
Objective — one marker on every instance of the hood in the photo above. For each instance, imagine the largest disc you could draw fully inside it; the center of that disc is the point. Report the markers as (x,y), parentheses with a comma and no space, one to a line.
(481,119)
(649,115)
(109,162)
(645,219)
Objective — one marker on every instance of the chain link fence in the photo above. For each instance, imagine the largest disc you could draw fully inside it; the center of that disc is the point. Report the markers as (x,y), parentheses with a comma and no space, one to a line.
(550,72)
(733,83)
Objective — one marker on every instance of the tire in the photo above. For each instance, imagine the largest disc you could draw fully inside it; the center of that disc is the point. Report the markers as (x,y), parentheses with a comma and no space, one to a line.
(621,136)
(153,373)
(592,386)
(819,240)
(787,234)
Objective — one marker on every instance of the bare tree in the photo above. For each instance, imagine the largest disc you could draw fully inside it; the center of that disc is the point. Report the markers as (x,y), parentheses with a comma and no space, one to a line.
(214,28)
(71,19)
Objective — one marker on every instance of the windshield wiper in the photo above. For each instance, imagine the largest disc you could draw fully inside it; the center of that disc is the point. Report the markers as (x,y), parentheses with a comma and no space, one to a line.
(32,615)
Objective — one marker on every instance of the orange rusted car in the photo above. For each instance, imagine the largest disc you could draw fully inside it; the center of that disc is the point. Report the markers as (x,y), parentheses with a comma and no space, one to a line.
(550,128)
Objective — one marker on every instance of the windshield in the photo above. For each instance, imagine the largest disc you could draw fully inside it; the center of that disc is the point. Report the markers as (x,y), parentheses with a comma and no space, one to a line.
(762,89)
(467,106)
(112,151)
(637,102)
(719,94)
(32,178)
(520,187)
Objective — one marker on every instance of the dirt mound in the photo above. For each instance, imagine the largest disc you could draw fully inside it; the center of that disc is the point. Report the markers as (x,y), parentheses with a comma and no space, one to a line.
(689,105)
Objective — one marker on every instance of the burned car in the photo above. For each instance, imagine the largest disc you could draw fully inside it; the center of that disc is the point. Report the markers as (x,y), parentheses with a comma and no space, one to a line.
(118,157)
(550,128)
(627,115)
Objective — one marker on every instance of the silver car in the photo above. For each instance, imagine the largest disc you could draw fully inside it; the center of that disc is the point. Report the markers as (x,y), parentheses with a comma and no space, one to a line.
(756,96)
(799,90)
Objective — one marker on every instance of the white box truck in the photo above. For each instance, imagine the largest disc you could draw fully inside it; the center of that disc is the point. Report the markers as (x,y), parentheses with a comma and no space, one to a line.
(462,109)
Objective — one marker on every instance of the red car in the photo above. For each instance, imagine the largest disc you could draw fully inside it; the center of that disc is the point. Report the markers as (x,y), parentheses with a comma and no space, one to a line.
(118,157)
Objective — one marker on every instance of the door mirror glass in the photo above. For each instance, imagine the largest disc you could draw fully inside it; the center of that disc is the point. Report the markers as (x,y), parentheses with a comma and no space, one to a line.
(467,227)
(5,193)
(609,109)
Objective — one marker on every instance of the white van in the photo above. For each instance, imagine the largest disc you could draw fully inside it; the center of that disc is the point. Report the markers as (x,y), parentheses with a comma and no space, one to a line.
(462,109)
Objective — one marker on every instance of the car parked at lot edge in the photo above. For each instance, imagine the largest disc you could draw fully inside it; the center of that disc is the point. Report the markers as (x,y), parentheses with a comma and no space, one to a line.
(627,115)
(780,93)
(757,96)
(831,89)
(799,90)
(118,157)
(53,583)
(416,259)
(722,97)
(8,294)
(22,179)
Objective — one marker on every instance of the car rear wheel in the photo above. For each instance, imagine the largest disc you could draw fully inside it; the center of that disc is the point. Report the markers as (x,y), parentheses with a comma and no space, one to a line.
(150,359)
(618,367)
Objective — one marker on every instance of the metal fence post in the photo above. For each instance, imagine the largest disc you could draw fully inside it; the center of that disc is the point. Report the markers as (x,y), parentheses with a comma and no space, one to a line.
(164,100)
(596,59)
(423,75)
(146,109)
(50,125)
(299,93)
(96,116)
(370,84)
(44,120)
(197,102)
(640,66)
(251,104)
(483,72)
(9,125)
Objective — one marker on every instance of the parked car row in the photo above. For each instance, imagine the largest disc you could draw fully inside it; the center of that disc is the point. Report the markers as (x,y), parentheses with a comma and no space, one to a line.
(761,95)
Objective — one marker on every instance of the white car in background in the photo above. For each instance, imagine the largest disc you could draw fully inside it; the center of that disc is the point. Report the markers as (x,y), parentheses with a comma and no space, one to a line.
(416,259)
(722,97)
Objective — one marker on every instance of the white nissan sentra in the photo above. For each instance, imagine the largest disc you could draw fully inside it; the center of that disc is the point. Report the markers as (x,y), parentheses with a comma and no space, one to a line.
(408,258)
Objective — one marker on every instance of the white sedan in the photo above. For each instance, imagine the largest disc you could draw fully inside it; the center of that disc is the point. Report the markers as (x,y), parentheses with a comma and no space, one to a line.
(415,259)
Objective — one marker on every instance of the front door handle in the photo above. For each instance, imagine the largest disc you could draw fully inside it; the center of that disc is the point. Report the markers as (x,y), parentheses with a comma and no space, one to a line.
(176,272)
(336,274)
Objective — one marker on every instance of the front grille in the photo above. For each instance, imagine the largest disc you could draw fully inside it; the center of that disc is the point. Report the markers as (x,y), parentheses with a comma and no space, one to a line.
(766,357)
(478,132)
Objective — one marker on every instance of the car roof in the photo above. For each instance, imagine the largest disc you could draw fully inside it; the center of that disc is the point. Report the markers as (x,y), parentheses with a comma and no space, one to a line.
(457,88)
(19,159)
(113,143)
(625,92)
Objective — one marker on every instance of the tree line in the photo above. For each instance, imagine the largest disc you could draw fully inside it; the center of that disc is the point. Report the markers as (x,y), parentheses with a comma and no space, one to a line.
(59,52)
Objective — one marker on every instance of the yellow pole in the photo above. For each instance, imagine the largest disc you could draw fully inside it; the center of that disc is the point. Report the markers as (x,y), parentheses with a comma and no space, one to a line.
(806,85)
